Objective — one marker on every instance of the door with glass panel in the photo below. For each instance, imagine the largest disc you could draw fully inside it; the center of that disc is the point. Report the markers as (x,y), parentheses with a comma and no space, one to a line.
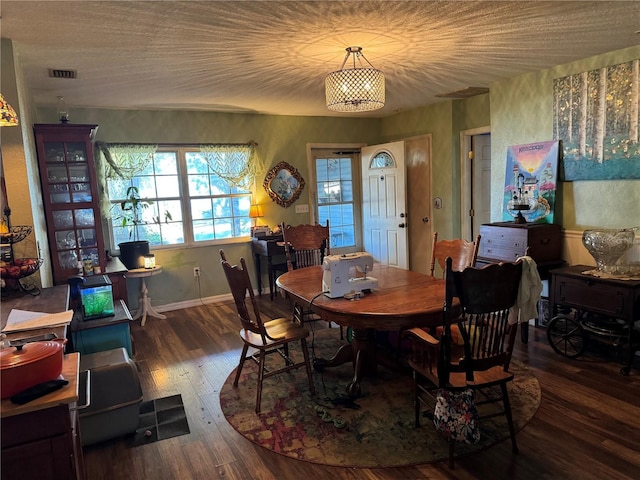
(337,199)
(384,210)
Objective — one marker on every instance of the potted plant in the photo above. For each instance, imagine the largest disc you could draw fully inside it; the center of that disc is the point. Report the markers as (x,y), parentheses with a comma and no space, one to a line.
(133,251)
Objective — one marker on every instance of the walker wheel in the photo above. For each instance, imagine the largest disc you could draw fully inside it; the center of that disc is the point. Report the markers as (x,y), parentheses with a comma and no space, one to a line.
(566,336)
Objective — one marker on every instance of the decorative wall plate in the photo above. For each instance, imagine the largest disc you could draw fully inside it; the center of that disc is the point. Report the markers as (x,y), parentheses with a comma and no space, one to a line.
(284,184)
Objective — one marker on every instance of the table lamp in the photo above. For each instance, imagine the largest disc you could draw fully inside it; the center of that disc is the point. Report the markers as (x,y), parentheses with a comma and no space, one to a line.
(255,212)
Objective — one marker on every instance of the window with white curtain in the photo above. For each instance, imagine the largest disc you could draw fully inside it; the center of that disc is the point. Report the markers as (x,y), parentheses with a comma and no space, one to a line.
(196,195)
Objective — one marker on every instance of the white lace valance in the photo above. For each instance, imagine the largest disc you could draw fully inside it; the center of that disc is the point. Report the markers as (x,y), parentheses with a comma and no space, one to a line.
(236,163)
(126,160)
(120,161)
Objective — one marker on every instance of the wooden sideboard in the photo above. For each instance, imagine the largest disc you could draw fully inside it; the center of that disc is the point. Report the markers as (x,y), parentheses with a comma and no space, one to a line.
(611,297)
(41,439)
(506,241)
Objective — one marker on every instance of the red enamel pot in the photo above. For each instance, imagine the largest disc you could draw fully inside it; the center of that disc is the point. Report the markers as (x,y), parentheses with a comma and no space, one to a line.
(30,364)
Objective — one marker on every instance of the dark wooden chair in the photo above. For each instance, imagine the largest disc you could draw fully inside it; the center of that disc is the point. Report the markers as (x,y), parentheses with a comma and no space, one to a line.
(462,253)
(273,336)
(305,246)
(480,359)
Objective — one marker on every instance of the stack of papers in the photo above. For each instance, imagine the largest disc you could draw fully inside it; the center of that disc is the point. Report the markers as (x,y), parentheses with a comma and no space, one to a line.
(21,320)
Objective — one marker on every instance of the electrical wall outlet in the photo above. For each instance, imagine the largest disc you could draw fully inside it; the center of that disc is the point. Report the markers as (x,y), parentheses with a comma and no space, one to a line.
(302,208)
(196,271)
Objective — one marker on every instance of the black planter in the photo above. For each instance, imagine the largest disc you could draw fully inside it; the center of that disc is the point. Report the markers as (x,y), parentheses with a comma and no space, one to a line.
(132,253)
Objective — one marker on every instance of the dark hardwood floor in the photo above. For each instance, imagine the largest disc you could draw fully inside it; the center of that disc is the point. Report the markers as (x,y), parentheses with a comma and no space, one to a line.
(587,427)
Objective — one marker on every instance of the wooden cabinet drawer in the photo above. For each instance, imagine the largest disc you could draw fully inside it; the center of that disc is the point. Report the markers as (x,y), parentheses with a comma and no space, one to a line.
(505,241)
(608,300)
(32,426)
(498,252)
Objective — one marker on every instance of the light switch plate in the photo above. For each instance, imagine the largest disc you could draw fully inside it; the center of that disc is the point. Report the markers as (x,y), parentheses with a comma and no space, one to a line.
(302,208)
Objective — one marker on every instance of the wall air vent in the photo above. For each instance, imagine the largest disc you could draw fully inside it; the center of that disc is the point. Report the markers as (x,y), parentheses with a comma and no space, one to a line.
(58,73)
(464,93)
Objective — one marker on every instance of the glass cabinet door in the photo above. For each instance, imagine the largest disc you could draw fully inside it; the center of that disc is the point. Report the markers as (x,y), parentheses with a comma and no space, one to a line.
(69,187)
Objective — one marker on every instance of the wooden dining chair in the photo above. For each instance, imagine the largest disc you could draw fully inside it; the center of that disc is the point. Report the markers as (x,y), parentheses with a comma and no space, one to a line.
(305,246)
(462,253)
(479,358)
(268,337)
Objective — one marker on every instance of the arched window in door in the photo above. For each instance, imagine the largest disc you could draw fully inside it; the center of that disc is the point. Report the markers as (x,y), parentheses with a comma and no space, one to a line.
(382,160)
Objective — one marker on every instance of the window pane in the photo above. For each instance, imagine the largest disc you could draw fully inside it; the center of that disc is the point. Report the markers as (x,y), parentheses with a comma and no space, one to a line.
(166,163)
(223,228)
(219,186)
(335,199)
(222,207)
(215,208)
(195,163)
(201,209)
(203,230)
(168,186)
(347,191)
(147,187)
(199,185)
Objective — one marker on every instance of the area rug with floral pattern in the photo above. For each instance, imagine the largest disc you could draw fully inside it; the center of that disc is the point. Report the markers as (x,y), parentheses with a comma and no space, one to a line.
(375,430)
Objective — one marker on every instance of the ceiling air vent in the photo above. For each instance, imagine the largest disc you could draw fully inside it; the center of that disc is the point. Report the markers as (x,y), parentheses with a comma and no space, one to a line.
(58,73)
(464,93)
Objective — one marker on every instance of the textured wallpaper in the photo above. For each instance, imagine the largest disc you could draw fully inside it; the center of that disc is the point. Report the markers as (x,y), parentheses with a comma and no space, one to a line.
(521,112)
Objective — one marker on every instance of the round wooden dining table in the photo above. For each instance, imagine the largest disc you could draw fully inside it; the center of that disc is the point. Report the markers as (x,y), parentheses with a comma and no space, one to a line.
(403,299)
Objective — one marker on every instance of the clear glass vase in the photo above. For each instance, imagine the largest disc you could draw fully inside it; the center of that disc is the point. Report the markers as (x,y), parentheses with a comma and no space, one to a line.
(606,246)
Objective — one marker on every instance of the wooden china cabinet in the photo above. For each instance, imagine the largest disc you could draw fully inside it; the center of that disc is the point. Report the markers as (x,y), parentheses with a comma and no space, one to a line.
(71,201)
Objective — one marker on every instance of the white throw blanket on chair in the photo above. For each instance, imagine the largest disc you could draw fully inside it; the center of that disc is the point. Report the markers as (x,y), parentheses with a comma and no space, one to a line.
(526,306)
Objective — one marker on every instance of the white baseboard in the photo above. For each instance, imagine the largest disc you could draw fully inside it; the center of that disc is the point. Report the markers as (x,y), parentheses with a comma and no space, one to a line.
(196,302)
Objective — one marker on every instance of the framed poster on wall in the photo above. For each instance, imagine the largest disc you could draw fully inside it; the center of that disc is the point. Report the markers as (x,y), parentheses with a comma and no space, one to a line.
(530,182)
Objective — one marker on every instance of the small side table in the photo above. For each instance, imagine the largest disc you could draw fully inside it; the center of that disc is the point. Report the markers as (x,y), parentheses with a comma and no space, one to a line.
(144,301)
(268,246)
(97,335)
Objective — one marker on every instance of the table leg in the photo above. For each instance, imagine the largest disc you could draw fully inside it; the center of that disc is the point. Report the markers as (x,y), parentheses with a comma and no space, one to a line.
(272,276)
(524,332)
(362,352)
(144,306)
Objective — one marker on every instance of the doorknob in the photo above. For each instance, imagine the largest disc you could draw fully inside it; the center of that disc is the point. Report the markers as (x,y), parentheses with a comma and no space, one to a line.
(402,225)
(425,219)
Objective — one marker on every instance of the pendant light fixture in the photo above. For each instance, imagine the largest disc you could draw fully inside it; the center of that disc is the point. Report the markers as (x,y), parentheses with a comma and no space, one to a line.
(8,116)
(357,89)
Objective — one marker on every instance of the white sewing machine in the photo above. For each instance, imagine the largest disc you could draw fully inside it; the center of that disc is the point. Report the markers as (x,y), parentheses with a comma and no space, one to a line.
(339,276)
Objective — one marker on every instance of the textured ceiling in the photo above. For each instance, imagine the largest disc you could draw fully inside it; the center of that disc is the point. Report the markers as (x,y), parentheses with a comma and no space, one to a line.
(272,57)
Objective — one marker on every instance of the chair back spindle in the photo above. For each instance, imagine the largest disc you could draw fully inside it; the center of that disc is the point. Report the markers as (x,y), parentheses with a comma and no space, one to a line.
(305,245)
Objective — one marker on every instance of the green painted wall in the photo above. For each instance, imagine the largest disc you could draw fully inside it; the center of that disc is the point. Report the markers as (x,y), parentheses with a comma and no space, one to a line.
(279,138)
(445,121)
(518,110)
(521,112)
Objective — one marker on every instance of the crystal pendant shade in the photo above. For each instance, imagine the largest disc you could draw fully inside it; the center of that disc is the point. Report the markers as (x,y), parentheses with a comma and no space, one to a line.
(357,89)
